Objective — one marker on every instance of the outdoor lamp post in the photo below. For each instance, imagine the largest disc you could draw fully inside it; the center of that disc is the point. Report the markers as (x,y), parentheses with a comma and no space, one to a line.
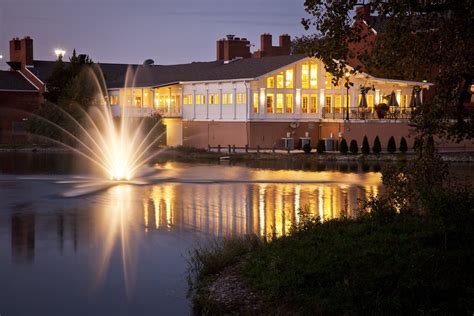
(59,52)
(347,85)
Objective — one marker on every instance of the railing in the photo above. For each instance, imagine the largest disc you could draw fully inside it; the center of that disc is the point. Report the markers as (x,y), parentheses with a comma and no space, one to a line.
(139,112)
(358,113)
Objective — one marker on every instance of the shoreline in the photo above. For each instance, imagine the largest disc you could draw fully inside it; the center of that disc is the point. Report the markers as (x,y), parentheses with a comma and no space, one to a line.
(190,154)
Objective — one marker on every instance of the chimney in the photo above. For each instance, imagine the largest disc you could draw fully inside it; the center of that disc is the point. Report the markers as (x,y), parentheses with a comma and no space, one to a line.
(266,42)
(232,47)
(21,51)
(267,49)
(285,44)
(363,12)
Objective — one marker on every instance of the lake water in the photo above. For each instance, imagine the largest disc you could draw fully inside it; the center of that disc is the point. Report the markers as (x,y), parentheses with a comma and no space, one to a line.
(123,250)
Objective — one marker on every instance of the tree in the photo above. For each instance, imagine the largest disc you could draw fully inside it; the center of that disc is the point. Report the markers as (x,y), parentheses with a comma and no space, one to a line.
(391,146)
(321,147)
(365,146)
(343,147)
(436,46)
(377,148)
(353,147)
(307,148)
(403,145)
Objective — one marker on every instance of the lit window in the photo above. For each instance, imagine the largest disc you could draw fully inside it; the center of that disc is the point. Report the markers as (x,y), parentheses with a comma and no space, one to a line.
(328,103)
(328,81)
(200,99)
(114,100)
(347,101)
(213,98)
(280,103)
(241,98)
(370,101)
(289,103)
(404,101)
(255,102)
(314,76)
(270,82)
(227,98)
(305,103)
(270,102)
(289,79)
(188,99)
(305,76)
(314,103)
(337,104)
(280,80)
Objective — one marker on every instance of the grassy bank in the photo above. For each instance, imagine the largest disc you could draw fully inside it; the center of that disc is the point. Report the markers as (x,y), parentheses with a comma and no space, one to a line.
(379,263)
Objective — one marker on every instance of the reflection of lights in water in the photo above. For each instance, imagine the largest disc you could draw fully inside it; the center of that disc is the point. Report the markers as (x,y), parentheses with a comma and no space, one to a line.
(118,223)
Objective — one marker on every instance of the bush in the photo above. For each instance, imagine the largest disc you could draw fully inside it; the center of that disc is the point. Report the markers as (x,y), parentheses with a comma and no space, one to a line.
(353,147)
(391,146)
(365,146)
(307,148)
(377,148)
(321,147)
(403,145)
(343,147)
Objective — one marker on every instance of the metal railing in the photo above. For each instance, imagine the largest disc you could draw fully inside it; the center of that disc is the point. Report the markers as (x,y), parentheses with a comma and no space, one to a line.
(358,113)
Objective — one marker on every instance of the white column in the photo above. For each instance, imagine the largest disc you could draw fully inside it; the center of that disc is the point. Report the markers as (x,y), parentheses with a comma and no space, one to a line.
(298,101)
(181,101)
(169,101)
(377,96)
(321,102)
(248,102)
(262,101)
(398,94)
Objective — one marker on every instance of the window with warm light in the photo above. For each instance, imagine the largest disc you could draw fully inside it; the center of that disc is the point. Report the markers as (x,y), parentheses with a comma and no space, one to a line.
(304,103)
(188,99)
(314,103)
(255,102)
(305,76)
(404,101)
(241,98)
(370,101)
(328,103)
(271,82)
(280,80)
(200,99)
(270,102)
(289,103)
(147,98)
(227,98)
(313,75)
(280,105)
(337,103)
(347,101)
(114,100)
(213,98)
(289,79)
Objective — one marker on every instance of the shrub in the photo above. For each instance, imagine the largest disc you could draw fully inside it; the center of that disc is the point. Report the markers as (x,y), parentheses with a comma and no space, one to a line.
(365,146)
(307,148)
(343,147)
(353,147)
(377,148)
(403,145)
(391,146)
(321,147)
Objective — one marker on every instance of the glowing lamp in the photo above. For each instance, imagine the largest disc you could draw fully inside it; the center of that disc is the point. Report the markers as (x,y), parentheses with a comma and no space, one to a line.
(59,52)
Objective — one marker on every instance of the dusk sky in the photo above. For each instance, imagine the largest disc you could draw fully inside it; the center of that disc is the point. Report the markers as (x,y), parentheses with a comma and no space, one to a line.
(130,31)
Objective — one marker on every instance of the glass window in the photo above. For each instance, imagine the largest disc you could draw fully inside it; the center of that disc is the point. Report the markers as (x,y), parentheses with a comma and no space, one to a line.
(213,98)
(255,102)
(227,98)
(347,101)
(188,99)
(305,103)
(289,103)
(200,99)
(370,101)
(147,97)
(241,98)
(114,99)
(328,103)
(404,101)
(314,103)
(271,82)
(337,104)
(280,105)
(328,81)
(270,102)
(280,80)
(289,79)
(314,76)
(305,76)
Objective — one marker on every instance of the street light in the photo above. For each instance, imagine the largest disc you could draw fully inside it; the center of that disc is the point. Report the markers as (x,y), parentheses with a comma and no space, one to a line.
(59,52)
(347,85)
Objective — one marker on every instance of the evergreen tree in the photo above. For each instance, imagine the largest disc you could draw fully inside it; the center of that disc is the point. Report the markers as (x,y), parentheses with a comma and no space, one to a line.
(353,147)
(391,146)
(377,148)
(343,147)
(365,146)
(403,145)
(321,147)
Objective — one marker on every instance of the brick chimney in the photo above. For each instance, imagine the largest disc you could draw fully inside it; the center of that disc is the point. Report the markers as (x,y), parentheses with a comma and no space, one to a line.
(267,49)
(232,47)
(21,51)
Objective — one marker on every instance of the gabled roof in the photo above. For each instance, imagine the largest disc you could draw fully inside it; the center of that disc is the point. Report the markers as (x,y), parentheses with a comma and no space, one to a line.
(120,75)
(14,81)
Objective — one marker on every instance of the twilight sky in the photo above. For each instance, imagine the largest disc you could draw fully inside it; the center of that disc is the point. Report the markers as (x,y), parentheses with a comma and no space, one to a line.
(130,31)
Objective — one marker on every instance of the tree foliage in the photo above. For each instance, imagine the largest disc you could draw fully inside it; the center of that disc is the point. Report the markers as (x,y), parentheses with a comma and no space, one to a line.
(353,147)
(391,145)
(420,40)
(321,146)
(377,148)
(403,145)
(343,147)
(365,146)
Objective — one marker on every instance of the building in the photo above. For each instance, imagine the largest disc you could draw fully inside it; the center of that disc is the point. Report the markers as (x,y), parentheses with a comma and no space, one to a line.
(268,98)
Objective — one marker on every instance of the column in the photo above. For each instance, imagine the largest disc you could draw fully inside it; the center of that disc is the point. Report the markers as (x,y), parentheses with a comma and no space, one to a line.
(321,102)
(262,101)
(298,102)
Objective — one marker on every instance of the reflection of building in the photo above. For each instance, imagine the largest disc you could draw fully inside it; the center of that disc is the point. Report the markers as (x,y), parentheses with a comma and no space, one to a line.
(23,236)
(264,209)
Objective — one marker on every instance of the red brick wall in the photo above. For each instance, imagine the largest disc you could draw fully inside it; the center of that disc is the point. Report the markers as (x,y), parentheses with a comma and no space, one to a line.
(14,107)
(267,134)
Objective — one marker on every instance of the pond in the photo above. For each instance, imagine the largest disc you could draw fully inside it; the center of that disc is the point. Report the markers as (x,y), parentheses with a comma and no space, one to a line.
(123,250)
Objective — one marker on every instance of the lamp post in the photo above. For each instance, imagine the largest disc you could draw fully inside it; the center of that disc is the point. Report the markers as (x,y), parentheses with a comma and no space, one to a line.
(59,52)
(347,86)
